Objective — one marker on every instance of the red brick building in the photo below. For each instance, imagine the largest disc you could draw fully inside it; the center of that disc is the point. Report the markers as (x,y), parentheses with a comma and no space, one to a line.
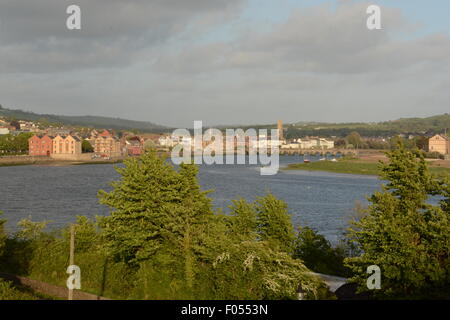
(40,145)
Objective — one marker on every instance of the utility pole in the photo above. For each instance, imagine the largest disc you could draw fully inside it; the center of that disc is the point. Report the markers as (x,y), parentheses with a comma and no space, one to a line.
(72,254)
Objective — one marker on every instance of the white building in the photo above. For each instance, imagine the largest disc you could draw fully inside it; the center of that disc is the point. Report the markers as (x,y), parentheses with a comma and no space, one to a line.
(166,141)
(310,143)
(326,144)
(4,130)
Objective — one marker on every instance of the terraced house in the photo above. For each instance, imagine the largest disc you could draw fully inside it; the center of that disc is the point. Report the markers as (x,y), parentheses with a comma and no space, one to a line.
(40,145)
(66,145)
(58,147)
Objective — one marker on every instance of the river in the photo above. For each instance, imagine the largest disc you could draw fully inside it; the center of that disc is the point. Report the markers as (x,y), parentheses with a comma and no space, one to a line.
(320,200)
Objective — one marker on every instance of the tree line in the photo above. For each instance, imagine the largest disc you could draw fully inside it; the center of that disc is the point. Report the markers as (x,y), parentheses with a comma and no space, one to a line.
(163,240)
(14,144)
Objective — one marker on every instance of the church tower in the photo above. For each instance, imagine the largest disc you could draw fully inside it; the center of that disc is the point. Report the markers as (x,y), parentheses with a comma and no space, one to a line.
(280,130)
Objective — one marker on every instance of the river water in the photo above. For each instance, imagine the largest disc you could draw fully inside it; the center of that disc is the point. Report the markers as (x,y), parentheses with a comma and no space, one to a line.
(320,200)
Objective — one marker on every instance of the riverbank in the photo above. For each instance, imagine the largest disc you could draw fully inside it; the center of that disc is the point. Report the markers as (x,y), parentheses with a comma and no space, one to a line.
(357,166)
(26,160)
(44,161)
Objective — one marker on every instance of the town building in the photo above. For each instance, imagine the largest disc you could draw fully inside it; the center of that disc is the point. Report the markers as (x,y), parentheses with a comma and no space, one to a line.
(439,143)
(309,143)
(67,145)
(58,131)
(166,141)
(28,126)
(107,145)
(40,145)
(315,143)
(4,130)
(326,144)
(134,146)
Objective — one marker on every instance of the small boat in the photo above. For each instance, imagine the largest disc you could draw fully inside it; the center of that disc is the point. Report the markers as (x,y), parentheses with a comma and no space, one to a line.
(322,159)
(334,160)
(306,161)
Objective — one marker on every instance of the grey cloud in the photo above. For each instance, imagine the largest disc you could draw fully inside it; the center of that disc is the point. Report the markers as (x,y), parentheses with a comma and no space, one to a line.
(321,40)
(34,37)
(318,65)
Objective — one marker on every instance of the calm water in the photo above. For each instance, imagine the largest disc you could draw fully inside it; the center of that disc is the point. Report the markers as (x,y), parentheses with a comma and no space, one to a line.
(321,200)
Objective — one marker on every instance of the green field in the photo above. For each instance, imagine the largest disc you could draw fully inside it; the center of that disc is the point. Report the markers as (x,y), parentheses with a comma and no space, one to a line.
(350,166)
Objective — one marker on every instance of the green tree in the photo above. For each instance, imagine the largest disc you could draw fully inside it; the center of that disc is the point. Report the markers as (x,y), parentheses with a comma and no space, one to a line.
(243,220)
(86,147)
(242,264)
(421,142)
(402,233)
(274,223)
(162,226)
(15,124)
(317,253)
(157,213)
(354,139)
(10,144)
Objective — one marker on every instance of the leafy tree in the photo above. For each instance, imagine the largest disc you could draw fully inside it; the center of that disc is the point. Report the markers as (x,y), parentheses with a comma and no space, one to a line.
(15,124)
(245,263)
(409,144)
(243,219)
(340,143)
(274,223)
(402,233)
(10,144)
(162,226)
(421,142)
(255,270)
(354,139)
(86,147)
(157,213)
(318,254)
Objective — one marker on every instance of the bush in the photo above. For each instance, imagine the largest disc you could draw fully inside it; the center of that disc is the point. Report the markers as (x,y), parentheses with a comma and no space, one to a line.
(318,255)
(10,292)
(434,155)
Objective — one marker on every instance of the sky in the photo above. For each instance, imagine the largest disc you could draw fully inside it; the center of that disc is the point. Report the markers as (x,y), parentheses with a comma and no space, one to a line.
(227,62)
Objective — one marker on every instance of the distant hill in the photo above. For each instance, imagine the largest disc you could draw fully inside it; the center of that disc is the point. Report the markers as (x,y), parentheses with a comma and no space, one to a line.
(422,126)
(436,124)
(416,126)
(85,121)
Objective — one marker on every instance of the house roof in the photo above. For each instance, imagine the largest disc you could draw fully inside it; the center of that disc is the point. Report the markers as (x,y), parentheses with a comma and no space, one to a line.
(106,133)
(443,136)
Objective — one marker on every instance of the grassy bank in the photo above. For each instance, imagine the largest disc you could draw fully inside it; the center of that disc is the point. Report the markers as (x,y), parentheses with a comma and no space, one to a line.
(342,166)
(56,163)
(14,164)
(11,291)
(353,166)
